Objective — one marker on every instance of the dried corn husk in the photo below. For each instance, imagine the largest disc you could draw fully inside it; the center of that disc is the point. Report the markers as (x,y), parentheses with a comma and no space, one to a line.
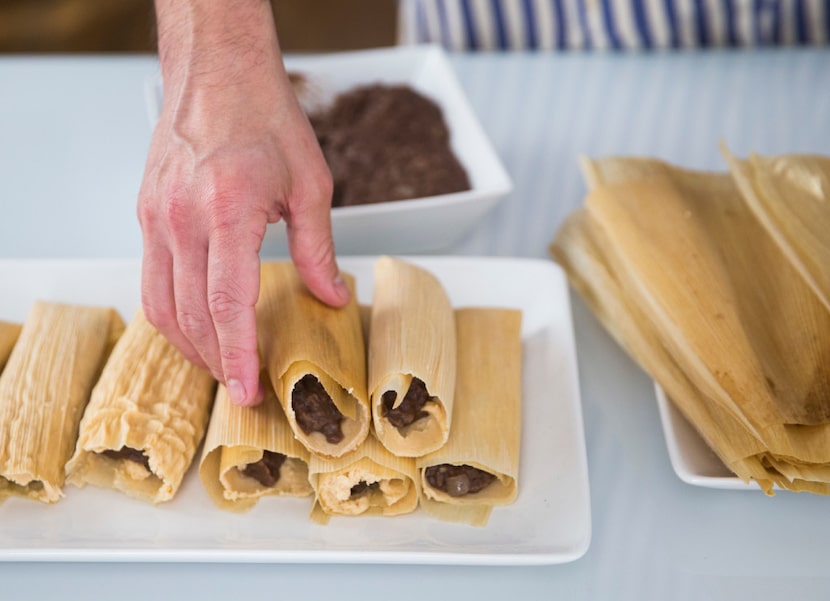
(576,249)
(149,400)
(299,336)
(334,479)
(487,418)
(727,303)
(791,456)
(238,437)
(412,335)
(9,333)
(790,197)
(43,392)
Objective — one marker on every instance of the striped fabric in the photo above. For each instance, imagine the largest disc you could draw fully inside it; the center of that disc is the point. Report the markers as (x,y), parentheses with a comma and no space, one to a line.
(613,24)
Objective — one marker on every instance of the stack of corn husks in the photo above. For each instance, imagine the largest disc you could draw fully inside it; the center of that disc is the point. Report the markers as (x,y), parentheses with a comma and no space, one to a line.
(718,285)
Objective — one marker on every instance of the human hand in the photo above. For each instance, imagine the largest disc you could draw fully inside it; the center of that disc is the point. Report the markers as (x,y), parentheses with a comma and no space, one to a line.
(232,152)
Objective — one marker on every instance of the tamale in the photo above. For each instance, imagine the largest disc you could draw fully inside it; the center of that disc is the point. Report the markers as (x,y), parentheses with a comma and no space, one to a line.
(790,197)
(412,357)
(9,333)
(315,356)
(43,391)
(478,468)
(367,481)
(251,452)
(145,419)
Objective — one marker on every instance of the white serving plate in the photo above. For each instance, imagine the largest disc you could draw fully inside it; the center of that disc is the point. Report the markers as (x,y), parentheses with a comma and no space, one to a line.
(549,523)
(405,226)
(691,458)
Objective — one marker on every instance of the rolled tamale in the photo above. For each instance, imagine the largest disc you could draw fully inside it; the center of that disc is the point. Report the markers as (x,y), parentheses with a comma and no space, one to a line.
(368,481)
(412,355)
(315,356)
(43,391)
(251,452)
(9,333)
(147,414)
(478,468)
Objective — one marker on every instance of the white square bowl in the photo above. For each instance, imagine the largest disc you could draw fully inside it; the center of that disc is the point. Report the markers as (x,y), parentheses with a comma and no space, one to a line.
(402,226)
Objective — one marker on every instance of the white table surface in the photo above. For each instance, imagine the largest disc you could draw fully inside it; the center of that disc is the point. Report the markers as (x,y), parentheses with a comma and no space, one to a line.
(73,138)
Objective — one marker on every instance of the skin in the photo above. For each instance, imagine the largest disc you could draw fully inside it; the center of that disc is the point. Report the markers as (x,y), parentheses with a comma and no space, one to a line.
(232,152)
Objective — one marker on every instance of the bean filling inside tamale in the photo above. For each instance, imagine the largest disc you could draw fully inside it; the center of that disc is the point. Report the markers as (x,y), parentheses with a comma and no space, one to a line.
(458,480)
(266,471)
(411,408)
(314,409)
(363,487)
(129,454)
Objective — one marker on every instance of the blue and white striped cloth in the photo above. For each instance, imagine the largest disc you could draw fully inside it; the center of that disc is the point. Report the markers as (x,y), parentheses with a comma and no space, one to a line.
(613,24)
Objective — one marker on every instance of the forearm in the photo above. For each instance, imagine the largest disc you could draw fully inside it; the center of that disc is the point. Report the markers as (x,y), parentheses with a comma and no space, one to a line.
(217,44)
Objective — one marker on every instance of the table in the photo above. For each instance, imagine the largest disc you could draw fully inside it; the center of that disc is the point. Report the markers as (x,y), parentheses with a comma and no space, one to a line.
(74,137)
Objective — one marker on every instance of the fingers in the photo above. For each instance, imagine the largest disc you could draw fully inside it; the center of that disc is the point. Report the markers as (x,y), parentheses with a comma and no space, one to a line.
(157,295)
(312,250)
(190,260)
(200,282)
(232,291)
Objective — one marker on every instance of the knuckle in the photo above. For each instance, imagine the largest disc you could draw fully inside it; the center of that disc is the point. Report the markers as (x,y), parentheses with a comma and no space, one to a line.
(224,306)
(316,256)
(315,249)
(146,213)
(233,354)
(178,213)
(193,325)
(160,319)
(225,207)
(310,191)
(324,185)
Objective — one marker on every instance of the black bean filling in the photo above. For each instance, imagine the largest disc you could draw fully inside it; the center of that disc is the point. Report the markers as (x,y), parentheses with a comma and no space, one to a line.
(130,454)
(266,471)
(363,487)
(314,409)
(458,480)
(411,408)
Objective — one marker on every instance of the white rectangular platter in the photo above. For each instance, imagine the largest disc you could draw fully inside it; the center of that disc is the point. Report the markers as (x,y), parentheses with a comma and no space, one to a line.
(549,523)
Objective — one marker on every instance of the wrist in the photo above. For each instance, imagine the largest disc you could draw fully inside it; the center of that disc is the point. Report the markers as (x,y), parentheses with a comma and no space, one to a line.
(216,43)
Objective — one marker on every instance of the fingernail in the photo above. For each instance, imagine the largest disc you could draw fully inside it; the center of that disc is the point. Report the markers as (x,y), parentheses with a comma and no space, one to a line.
(237,392)
(342,289)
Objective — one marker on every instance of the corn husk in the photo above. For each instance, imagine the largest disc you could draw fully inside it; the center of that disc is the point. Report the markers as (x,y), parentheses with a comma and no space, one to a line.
(9,333)
(703,263)
(578,252)
(333,479)
(299,335)
(238,436)
(790,197)
(149,399)
(412,336)
(487,418)
(43,391)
